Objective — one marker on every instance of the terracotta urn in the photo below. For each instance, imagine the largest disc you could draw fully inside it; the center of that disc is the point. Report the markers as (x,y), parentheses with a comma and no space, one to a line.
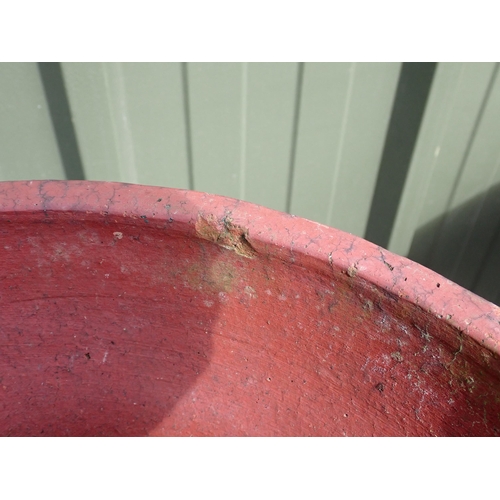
(131,310)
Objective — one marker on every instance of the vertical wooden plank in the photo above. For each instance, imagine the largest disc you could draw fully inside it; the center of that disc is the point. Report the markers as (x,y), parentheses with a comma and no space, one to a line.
(345,110)
(268,130)
(28,143)
(216,102)
(323,101)
(155,99)
(62,123)
(129,120)
(451,114)
(89,94)
(414,85)
(373,89)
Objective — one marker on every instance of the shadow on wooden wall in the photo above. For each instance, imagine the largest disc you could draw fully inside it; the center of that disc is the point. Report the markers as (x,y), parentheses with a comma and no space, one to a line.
(464,244)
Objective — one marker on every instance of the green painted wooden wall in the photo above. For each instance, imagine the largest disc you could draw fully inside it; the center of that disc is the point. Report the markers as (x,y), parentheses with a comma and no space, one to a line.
(406,155)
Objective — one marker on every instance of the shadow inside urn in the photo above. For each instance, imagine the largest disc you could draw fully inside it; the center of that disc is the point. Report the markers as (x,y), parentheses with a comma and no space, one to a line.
(105,326)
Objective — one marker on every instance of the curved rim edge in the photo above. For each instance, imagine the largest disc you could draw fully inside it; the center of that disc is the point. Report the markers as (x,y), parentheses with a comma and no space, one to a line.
(267,232)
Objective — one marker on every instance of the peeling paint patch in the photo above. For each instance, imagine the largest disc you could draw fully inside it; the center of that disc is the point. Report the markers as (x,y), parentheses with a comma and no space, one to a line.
(226,234)
(352,271)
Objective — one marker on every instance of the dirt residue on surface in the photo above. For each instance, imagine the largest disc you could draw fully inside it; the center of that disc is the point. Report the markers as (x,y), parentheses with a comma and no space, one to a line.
(218,277)
(352,271)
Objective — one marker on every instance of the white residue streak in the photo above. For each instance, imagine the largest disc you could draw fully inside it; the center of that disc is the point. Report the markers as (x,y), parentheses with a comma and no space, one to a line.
(250,292)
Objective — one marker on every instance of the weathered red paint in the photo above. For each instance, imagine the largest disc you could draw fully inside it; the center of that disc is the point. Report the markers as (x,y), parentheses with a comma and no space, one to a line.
(133,310)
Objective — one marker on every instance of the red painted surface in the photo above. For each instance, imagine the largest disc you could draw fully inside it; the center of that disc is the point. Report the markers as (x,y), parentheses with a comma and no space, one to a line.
(133,310)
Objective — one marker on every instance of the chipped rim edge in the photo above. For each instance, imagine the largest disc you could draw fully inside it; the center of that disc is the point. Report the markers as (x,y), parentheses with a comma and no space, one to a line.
(270,233)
